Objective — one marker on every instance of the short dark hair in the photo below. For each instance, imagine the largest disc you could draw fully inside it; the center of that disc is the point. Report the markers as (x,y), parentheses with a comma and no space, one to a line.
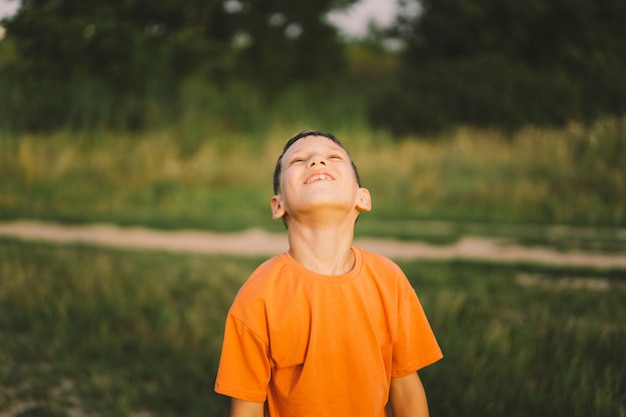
(305,134)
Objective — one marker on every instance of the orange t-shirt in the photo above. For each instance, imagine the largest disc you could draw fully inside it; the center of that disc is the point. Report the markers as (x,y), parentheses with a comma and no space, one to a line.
(317,345)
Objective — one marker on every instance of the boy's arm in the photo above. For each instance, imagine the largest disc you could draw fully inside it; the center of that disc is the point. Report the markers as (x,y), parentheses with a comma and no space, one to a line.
(241,408)
(407,396)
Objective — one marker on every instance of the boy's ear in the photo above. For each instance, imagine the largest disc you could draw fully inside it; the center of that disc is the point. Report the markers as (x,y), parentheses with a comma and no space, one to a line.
(278,210)
(364,200)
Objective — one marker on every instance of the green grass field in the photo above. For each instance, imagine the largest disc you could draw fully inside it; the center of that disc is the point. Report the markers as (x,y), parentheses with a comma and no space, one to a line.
(221,179)
(102,332)
(93,332)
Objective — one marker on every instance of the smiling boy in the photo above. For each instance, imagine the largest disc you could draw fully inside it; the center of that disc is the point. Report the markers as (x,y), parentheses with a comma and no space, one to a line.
(325,329)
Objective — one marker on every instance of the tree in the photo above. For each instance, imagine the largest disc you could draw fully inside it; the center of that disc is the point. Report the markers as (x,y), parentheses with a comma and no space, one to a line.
(131,47)
(126,41)
(288,41)
(123,42)
(507,63)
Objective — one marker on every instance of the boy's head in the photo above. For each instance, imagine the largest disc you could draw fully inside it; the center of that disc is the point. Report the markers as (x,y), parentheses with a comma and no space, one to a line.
(316,171)
(306,133)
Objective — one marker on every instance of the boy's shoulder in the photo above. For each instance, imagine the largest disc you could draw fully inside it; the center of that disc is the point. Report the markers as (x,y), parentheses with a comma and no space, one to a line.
(267,278)
(267,270)
(379,261)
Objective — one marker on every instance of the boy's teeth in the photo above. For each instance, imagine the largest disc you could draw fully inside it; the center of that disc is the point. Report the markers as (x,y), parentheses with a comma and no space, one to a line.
(317,178)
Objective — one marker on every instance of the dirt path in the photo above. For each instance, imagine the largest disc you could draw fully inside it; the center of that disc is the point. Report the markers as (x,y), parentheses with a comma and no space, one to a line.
(258,242)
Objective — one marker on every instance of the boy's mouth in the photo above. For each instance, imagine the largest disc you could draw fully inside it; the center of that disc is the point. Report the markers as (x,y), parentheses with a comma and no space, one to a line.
(319,177)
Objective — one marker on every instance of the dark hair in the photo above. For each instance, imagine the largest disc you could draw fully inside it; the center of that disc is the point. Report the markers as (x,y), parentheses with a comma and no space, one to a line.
(305,134)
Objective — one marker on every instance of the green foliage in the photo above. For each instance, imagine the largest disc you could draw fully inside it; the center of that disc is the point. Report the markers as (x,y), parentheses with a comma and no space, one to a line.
(288,42)
(84,104)
(114,333)
(507,64)
(492,91)
(127,65)
(132,55)
(8,54)
(120,43)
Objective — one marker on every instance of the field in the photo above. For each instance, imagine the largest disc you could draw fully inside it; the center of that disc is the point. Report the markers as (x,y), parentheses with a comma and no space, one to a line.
(86,331)
(220,179)
(95,332)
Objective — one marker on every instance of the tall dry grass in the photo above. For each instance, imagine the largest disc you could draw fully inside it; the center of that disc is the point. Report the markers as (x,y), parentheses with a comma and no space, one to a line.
(566,176)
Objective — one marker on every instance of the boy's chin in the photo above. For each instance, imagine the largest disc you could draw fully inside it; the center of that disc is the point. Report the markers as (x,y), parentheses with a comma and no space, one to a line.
(335,213)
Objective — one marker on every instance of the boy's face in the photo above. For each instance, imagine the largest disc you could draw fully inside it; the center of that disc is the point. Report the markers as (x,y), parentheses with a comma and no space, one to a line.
(316,174)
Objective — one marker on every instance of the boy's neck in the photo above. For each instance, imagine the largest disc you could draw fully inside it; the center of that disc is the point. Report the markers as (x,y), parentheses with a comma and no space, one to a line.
(324,249)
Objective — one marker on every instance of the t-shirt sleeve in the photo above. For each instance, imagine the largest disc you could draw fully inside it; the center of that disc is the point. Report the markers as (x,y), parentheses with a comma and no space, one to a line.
(244,369)
(415,345)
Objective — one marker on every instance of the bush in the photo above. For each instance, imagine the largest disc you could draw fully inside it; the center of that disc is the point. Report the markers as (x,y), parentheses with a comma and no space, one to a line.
(485,91)
(37,104)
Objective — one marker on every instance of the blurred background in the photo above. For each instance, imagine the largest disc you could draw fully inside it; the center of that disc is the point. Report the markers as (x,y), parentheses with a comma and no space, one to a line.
(466,118)
(149,112)
(416,66)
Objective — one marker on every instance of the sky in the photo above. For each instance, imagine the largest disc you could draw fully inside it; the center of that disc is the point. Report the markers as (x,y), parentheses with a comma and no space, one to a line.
(8,7)
(352,22)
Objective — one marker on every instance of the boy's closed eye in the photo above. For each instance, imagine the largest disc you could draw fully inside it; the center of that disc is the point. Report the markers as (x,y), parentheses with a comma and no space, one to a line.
(300,159)
(295,161)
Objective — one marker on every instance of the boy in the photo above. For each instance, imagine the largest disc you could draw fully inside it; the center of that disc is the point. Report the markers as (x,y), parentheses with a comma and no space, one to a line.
(325,329)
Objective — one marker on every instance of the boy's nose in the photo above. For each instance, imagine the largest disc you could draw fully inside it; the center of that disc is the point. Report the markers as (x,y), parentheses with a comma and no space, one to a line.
(316,160)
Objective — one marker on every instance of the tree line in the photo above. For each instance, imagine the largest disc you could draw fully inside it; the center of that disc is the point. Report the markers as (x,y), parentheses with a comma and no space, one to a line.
(478,62)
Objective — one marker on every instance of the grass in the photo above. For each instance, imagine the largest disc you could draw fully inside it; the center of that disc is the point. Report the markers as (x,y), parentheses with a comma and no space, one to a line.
(524,341)
(112,333)
(125,333)
(218,178)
